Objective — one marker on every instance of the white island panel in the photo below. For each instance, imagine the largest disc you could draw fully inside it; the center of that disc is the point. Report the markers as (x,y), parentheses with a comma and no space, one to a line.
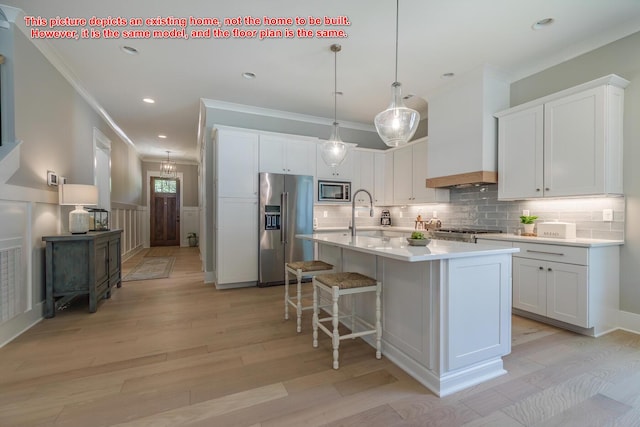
(446,307)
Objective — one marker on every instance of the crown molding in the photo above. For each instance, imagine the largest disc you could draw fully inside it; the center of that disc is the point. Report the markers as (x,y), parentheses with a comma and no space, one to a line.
(54,58)
(280,114)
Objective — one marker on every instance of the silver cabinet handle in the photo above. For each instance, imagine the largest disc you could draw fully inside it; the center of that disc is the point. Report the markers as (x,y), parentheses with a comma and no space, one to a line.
(537,189)
(549,269)
(547,189)
(543,252)
(541,268)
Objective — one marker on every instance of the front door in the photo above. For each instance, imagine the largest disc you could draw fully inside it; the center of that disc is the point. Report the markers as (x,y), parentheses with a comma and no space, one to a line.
(165,212)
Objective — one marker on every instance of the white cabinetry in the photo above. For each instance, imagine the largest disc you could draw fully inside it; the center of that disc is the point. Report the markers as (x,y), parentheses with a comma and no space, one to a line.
(237,163)
(237,241)
(410,174)
(236,204)
(566,144)
(574,285)
(380,178)
(342,172)
(287,154)
(365,177)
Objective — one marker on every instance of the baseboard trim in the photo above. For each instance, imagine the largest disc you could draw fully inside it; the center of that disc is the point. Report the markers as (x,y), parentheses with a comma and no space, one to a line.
(629,322)
(132,252)
(32,318)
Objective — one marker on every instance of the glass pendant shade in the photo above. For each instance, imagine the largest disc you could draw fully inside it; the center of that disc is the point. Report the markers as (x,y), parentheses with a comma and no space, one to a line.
(334,151)
(397,124)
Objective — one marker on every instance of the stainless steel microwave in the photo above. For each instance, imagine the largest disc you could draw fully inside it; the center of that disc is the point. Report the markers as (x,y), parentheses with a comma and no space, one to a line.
(334,191)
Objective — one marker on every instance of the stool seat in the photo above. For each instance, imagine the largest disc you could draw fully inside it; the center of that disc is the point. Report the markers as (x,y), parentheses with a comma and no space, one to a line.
(347,283)
(306,266)
(346,280)
(300,268)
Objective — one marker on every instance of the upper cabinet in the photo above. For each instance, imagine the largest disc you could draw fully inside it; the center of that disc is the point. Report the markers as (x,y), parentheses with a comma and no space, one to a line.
(287,154)
(237,163)
(463,130)
(566,144)
(342,172)
(364,176)
(410,174)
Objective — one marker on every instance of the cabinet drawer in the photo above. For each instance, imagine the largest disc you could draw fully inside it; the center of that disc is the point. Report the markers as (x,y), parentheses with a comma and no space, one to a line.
(557,253)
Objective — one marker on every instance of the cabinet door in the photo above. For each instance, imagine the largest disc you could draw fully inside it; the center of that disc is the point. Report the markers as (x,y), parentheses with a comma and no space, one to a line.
(388,178)
(567,293)
(366,176)
(422,194)
(379,181)
(114,260)
(520,154)
(237,163)
(301,157)
(403,176)
(574,139)
(237,240)
(530,285)
(272,154)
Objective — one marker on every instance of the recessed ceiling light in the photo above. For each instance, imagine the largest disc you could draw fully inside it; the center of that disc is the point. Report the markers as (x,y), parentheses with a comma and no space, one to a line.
(542,23)
(162,136)
(149,100)
(447,75)
(129,50)
(248,75)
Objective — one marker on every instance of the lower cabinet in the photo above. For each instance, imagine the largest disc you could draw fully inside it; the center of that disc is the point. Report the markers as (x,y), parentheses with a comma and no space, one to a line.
(552,289)
(81,264)
(578,286)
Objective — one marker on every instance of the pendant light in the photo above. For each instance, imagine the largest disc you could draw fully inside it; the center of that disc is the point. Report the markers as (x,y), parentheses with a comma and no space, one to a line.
(397,124)
(334,151)
(168,168)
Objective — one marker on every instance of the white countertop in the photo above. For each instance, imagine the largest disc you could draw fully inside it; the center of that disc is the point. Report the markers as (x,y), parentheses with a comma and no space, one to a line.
(585,243)
(398,247)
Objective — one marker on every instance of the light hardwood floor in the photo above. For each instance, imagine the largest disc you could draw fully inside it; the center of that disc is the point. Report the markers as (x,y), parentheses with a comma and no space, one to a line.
(174,352)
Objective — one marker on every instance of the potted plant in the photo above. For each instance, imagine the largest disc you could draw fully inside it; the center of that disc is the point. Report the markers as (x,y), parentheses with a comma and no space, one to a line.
(193,239)
(528,224)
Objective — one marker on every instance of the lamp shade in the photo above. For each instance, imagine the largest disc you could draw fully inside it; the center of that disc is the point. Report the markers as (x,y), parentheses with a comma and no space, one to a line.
(78,195)
(334,151)
(398,123)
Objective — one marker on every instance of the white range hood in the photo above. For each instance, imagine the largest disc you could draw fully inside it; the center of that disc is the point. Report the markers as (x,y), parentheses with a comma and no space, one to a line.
(463,144)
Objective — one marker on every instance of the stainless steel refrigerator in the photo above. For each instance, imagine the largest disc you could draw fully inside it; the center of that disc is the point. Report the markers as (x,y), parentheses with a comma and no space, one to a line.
(286,209)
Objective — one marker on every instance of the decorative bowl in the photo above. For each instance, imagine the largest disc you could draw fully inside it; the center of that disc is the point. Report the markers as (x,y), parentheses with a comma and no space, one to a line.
(418,242)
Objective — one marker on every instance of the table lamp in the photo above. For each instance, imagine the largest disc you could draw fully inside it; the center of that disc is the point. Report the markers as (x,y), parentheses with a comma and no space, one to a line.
(79,195)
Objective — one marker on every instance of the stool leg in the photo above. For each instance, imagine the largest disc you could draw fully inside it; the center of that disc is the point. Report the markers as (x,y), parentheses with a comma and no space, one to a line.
(335,322)
(378,323)
(299,306)
(353,315)
(315,315)
(286,294)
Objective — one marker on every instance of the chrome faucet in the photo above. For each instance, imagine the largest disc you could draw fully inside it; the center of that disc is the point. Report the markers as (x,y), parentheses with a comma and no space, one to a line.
(353,209)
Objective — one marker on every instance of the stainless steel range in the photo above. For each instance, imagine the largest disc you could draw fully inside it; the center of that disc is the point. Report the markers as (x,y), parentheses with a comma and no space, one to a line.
(468,235)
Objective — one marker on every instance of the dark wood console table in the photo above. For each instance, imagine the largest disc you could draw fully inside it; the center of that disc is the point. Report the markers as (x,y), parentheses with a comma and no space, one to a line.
(81,264)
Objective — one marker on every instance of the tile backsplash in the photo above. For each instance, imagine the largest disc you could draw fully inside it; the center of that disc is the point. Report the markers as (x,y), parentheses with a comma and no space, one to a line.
(479,207)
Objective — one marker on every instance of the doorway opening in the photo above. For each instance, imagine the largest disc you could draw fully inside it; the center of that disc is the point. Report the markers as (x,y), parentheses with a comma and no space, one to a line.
(164,206)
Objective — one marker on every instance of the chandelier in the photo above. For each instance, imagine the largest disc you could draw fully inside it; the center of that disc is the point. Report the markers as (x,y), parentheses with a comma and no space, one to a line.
(168,168)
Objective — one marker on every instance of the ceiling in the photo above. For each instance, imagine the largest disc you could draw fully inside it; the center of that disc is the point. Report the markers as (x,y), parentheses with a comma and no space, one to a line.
(297,74)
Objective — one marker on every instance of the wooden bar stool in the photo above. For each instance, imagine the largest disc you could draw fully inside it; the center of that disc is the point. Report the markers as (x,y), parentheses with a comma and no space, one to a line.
(336,285)
(299,268)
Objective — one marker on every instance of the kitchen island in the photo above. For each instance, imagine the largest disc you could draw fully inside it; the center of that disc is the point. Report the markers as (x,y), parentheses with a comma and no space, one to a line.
(446,306)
